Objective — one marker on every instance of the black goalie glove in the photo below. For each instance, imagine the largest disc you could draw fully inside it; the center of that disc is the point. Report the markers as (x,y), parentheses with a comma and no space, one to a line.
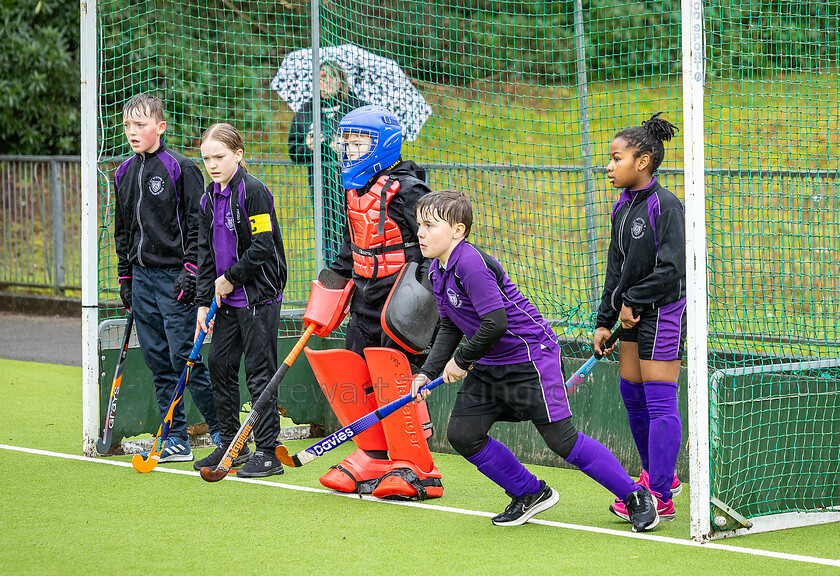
(125,291)
(183,290)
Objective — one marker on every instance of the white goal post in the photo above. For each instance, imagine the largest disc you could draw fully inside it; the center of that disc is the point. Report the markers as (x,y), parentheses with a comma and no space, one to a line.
(703,386)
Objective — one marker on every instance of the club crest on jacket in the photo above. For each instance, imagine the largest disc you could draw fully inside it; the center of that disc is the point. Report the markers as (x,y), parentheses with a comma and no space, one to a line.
(156,185)
(638,228)
(454,299)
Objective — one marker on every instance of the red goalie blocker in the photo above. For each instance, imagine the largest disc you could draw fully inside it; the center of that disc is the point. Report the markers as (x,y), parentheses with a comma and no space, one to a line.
(329,302)
(410,314)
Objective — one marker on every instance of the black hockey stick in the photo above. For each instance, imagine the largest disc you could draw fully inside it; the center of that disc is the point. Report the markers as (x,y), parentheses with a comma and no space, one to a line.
(103,445)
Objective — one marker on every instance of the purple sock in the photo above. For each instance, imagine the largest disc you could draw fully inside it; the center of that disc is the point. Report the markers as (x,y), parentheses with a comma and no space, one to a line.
(665,435)
(597,462)
(500,465)
(637,412)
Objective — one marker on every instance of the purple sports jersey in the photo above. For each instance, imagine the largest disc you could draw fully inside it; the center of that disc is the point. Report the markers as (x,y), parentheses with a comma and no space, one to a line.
(224,243)
(470,287)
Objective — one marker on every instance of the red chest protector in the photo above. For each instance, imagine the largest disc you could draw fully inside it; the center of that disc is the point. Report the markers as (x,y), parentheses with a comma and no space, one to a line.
(376,240)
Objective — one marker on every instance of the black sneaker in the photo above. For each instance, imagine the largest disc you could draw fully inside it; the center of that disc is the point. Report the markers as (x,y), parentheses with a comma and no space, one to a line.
(520,510)
(641,508)
(216,456)
(260,465)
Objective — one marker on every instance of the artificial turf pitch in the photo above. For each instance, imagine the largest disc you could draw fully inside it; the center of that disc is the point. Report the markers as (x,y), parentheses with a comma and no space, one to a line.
(68,516)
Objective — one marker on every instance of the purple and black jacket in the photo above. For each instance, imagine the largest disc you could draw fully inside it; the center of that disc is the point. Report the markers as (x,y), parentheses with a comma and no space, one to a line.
(236,240)
(646,257)
(156,210)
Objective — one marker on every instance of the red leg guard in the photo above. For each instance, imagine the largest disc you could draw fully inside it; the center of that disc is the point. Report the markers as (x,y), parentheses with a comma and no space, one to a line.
(355,472)
(345,381)
(404,481)
(344,378)
(425,419)
(413,474)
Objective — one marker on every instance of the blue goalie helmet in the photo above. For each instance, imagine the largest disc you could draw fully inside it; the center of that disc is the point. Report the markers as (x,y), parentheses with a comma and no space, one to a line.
(360,162)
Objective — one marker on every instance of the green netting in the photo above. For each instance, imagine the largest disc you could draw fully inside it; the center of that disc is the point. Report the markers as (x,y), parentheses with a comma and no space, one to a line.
(513,122)
(772,192)
(774,438)
(207,63)
(524,104)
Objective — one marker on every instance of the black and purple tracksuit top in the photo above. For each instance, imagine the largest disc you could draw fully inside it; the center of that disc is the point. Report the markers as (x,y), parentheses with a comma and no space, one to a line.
(646,257)
(240,239)
(156,210)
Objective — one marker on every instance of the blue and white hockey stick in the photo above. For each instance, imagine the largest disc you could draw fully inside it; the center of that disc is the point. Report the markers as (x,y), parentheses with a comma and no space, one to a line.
(148,464)
(341,436)
(580,375)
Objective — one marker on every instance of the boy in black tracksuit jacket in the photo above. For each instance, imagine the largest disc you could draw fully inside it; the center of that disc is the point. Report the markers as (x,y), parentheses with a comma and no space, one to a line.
(156,236)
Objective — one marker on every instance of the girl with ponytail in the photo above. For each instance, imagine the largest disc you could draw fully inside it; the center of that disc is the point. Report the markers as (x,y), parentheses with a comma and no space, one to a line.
(644,289)
(242,264)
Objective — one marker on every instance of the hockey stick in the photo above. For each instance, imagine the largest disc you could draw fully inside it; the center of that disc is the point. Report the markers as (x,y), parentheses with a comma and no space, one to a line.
(148,464)
(222,469)
(103,445)
(354,428)
(580,375)
(341,289)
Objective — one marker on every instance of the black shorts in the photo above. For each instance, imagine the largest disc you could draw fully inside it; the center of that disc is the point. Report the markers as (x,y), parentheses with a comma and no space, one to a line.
(660,333)
(534,391)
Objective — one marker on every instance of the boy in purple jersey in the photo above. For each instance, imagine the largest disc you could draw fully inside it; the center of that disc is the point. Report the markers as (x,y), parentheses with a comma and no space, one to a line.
(155,237)
(646,272)
(242,264)
(511,369)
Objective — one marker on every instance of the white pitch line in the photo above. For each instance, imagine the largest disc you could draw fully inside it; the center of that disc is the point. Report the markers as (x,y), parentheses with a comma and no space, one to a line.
(578,527)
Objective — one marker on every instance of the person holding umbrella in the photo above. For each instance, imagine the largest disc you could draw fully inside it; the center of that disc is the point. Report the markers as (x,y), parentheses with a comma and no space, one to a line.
(336,101)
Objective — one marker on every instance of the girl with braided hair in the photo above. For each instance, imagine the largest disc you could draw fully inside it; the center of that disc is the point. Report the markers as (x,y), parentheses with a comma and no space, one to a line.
(644,288)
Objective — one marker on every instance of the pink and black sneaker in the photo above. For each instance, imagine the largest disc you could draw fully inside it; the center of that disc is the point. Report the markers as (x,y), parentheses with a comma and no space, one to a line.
(664,509)
(644,480)
(676,485)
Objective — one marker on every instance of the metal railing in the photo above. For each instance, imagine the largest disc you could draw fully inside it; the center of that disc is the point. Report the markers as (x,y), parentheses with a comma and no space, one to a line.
(36,192)
(40,220)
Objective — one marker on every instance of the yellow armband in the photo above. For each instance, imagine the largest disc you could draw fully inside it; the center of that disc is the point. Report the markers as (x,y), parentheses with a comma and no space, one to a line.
(260,223)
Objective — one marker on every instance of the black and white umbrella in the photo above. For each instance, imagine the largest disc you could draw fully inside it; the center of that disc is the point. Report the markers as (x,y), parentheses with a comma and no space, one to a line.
(372,78)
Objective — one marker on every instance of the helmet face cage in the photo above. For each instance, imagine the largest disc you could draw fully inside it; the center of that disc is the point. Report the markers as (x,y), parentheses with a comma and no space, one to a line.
(355,149)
